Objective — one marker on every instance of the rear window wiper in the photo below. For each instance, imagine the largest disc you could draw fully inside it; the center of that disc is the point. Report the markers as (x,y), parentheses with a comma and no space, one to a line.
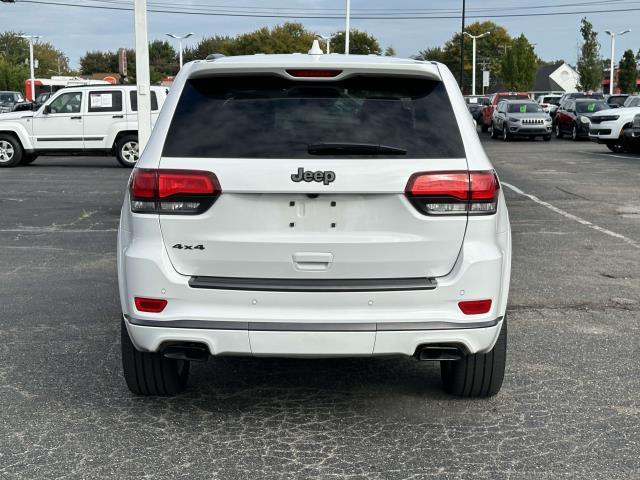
(354,149)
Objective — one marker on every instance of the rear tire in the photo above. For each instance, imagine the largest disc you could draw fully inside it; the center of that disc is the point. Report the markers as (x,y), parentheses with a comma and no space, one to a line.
(484,128)
(148,373)
(479,374)
(127,150)
(10,151)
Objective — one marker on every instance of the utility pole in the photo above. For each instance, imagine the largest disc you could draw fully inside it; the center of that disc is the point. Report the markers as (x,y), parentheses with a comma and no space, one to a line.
(143,79)
(613,36)
(474,38)
(31,38)
(464,4)
(347,28)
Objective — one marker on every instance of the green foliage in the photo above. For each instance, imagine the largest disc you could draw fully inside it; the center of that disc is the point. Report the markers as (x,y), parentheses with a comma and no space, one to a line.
(390,52)
(15,50)
(518,66)
(360,43)
(98,62)
(207,46)
(589,62)
(12,76)
(628,72)
(489,51)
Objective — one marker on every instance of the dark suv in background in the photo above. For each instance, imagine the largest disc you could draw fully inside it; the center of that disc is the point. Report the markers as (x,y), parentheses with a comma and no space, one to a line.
(573,117)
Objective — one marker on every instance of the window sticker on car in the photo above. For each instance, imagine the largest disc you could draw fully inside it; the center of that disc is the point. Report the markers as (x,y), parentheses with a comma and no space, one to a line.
(523,109)
(591,107)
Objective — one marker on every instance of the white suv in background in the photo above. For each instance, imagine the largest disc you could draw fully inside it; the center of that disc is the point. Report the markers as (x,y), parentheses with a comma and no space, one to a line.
(314,206)
(609,126)
(87,120)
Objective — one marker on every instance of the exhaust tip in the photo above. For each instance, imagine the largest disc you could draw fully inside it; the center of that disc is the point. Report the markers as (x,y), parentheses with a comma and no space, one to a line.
(192,352)
(438,353)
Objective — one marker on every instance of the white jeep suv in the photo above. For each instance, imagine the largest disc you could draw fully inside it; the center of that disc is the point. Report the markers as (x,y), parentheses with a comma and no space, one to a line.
(314,206)
(609,127)
(87,120)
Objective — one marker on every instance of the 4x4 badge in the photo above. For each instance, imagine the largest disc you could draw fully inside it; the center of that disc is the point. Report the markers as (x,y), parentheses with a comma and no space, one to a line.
(325,177)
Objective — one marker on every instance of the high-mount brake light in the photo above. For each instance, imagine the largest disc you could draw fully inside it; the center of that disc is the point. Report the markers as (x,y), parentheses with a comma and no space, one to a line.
(454,193)
(315,73)
(177,192)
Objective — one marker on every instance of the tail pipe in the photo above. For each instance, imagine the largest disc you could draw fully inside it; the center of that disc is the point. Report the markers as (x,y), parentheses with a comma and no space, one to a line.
(193,352)
(438,353)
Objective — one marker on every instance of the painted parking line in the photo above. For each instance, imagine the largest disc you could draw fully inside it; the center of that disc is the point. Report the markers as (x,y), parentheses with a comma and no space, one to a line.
(613,155)
(570,216)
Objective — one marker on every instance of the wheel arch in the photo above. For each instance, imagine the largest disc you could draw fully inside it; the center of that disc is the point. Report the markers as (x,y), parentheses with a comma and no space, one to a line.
(120,134)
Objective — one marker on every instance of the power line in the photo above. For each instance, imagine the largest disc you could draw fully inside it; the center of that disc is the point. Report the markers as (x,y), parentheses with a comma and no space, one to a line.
(402,16)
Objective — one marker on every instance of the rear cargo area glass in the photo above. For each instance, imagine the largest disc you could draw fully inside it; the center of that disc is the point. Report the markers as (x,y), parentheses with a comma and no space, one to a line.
(274,117)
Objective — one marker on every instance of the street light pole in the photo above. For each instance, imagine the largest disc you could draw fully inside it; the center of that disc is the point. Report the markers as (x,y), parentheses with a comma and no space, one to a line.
(464,4)
(473,64)
(31,38)
(347,28)
(143,79)
(180,38)
(613,36)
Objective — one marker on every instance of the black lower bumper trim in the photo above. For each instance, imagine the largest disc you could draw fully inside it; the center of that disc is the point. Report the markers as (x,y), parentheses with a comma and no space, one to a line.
(313,285)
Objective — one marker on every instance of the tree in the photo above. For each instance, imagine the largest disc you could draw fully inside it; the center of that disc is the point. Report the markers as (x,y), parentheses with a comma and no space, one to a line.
(518,65)
(286,38)
(390,52)
(489,52)
(98,62)
(589,62)
(360,43)
(628,72)
(207,46)
(15,51)
(12,77)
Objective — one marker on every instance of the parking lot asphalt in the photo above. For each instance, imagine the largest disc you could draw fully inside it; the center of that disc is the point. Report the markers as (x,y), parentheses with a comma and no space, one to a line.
(569,407)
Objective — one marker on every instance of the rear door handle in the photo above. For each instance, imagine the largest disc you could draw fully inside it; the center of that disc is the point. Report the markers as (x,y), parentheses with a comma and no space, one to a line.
(75,118)
(117,116)
(315,261)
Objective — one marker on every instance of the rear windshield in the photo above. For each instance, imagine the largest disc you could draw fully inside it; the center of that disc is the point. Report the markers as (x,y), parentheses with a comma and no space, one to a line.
(523,108)
(589,107)
(617,100)
(514,97)
(272,117)
(551,100)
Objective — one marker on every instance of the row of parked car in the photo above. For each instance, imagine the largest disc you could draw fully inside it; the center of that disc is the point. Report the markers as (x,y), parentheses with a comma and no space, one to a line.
(612,120)
(12,101)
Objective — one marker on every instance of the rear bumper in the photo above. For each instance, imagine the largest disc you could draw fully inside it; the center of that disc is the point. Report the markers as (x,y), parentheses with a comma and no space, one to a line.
(275,340)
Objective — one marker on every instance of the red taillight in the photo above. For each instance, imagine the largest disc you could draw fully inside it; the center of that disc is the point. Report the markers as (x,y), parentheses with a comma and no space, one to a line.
(475,307)
(314,73)
(150,305)
(185,192)
(185,183)
(454,193)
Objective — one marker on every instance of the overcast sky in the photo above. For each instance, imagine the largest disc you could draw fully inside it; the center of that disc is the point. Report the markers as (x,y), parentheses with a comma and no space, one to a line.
(76,30)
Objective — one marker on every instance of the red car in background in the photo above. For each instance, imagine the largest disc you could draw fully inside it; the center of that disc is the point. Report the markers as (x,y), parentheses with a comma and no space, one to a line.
(487,111)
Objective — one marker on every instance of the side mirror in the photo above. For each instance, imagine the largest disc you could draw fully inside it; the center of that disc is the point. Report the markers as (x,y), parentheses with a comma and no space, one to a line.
(47,109)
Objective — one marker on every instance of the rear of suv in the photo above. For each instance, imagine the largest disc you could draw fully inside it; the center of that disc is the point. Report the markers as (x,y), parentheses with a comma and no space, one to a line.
(314,206)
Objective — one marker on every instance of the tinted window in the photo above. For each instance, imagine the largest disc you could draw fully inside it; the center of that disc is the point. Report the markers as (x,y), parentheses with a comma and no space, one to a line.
(617,100)
(524,108)
(133,96)
(551,100)
(590,107)
(67,103)
(272,117)
(514,97)
(105,101)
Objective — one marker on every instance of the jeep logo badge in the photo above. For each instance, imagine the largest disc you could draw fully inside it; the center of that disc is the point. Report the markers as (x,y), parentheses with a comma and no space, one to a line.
(325,177)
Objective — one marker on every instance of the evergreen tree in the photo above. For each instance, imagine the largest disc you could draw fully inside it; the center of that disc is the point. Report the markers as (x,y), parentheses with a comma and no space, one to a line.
(589,63)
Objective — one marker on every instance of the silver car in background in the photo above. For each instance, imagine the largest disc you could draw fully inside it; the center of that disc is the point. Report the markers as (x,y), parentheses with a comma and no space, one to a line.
(524,118)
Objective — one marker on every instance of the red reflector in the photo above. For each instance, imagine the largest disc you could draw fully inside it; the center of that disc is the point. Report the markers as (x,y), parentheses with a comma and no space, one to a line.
(439,184)
(314,73)
(150,305)
(186,183)
(475,307)
(484,185)
(143,183)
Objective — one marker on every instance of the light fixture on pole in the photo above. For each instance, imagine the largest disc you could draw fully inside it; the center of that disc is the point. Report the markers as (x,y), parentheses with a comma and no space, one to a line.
(347,28)
(613,36)
(473,64)
(326,39)
(31,38)
(180,38)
